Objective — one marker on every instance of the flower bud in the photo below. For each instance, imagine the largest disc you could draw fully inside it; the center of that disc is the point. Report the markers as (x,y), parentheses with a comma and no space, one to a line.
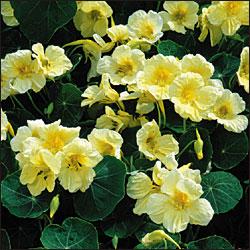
(198,146)
(54,204)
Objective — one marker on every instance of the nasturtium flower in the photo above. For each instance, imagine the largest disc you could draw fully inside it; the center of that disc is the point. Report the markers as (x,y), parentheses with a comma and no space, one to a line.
(78,160)
(123,66)
(229,15)
(206,27)
(226,111)
(191,97)
(8,14)
(102,94)
(197,64)
(156,146)
(159,73)
(106,142)
(179,203)
(52,61)
(145,26)
(178,15)
(5,126)
(243,71)
(92,17)
(118,33)
(24,72)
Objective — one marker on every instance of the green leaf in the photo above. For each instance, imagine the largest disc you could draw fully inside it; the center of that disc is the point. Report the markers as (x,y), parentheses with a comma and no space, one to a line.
(73,234)
(229,148)
(170,48)
(5,240)
(105,192)
(18,200)
(67,105)
(40,19)
(143,164)
(222,190)
(189,154)
(211,242)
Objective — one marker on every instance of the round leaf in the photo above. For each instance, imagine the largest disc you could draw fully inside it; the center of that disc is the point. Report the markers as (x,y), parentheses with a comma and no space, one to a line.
(40,19)
(170,48)
(211,242)
(105,192)
(222,190)
(73,234)
(18,200)
(189,154)
(229,148)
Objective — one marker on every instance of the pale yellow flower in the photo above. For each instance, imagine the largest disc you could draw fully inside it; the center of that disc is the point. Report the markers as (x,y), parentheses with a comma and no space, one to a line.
(180,14)
(53,61)
(100,94)
(4,126)
(156,146)
(106,142)
(123,66)
(206,26)
(145,26)
(229,15)
(179,203)
(191,97)
(159,73)
(243,71)
(24,72)
(197,64)
(92,17)
(8,14)
(226,111)
(78,160)
(118,33)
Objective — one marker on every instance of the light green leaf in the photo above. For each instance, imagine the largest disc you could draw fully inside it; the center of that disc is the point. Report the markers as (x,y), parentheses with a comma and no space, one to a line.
(105,192)
(222,190)
(229,148)
(211,242)
(40,19)
(18,200)
(170,48)
(73,234)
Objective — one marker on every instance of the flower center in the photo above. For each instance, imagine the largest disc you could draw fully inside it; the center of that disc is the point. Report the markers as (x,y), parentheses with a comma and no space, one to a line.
(148,30)
(181,200)
(24,71)
(161,77)
(224,111)
(95,14)
(180,15)
(187,94)
(232,7)
(75,162)
(54,143)
(125,68)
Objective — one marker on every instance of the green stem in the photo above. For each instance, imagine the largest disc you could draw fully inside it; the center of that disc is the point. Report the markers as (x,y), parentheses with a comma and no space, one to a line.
(159,115)
(17,101)
(74,49)
(221,43)
(165,244)
(158,5)
(184,149)
(120,105)
(184,125)
(163,113)
(34,105)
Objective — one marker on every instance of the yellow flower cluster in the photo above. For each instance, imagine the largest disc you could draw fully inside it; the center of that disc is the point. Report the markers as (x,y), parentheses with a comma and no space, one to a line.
(223,17)
(24,70)
(50,151)
(8,14)
(171,198)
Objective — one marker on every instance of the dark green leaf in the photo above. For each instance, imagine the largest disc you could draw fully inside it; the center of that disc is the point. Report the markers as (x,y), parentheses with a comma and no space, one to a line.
(222,190)
(211,242)
(73,234)
(67,105)
(40,19)
(104,193)
(229,148)
(170,48)
(18,200)
(5,240)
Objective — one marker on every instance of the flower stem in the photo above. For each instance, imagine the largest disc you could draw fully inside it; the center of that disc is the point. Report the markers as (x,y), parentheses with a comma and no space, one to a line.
(184,149)
(34,105)
(163,113)
(18,102)
(184,125)
(158,5)
(159,115)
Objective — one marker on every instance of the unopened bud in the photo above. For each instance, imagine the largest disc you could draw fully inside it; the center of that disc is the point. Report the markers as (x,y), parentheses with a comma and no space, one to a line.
(54,204)
(198,146)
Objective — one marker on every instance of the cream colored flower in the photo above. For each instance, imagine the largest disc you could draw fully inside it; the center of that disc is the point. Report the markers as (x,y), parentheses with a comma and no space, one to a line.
(229,15)
(53,61)
(106,142)
(118,33)
(159,73)
(243,71)
(92,17)
(4,126)
(226,111)
(145,26)
(102,94)
(8,14)
(78,160)
(180,14)
(197,64)
(123,66)
(206,26)
(191,97)
(24,72)
(179,203)
(156,146)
